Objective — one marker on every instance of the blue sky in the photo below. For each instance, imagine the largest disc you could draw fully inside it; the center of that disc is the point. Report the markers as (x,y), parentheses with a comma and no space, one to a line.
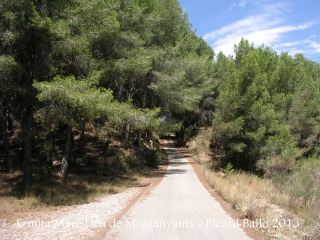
(286,26)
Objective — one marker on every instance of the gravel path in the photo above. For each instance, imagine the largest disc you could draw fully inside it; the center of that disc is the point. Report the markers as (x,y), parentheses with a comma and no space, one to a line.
(80,222)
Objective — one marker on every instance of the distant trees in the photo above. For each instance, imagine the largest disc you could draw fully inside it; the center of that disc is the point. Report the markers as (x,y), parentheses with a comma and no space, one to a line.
(267,106)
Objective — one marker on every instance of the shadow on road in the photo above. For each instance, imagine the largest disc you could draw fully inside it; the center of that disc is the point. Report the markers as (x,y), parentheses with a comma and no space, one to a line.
(175,171)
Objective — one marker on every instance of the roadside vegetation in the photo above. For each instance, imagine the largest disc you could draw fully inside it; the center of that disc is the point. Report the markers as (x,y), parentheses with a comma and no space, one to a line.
(293,198)
(264,139)
(91,176)
(86,88)
(261,150)
(267,122)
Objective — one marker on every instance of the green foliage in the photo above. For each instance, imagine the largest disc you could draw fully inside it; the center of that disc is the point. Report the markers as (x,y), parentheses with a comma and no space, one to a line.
(228,169)
(181,77)
(73,99)
(115,65)
(169,126)
(78,99)
(152,158)
(267,105)
(10,72)
(8,66)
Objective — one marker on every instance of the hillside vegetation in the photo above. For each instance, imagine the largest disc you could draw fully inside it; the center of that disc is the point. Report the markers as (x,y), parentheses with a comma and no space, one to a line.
(278,201)
(265,132)
(266,121)
(88,86)
(83,83)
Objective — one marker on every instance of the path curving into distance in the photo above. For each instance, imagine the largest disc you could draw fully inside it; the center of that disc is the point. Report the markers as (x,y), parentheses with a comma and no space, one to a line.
(179,207)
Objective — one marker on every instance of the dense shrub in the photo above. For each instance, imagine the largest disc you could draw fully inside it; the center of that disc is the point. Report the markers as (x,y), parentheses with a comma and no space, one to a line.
(152,158)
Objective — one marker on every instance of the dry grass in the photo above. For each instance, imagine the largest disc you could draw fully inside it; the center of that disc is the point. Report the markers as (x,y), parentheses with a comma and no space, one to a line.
(91,175)
(200,146)
(258,198)
(303,188)
(54,193)
(290,198)
(246,192)
(89,179)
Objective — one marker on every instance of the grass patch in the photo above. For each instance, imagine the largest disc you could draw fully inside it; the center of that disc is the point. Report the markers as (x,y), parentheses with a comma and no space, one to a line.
(303,188)
(78,189)
(95,170)
(291,196)
(246,192)
(56,192)
(89,178)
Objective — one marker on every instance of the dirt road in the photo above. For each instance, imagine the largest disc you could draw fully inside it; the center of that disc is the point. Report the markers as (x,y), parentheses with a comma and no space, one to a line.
(179,207)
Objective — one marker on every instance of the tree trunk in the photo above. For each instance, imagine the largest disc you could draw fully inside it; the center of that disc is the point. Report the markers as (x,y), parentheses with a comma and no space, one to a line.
(28,135)
(5,137)
(140,132)
(49,153)
(81,138)
(180,136)
(140,139)
(105,149)
(126,136)
(49,147)
(67,151)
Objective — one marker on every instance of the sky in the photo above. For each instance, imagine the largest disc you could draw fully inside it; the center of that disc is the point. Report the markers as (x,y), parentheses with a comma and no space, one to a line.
(284,25)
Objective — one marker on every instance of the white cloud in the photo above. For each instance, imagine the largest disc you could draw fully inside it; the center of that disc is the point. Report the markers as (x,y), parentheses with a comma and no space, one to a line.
(244,26)
(310,47)
(288,44)
(265,28)
(315,46)
(245,3)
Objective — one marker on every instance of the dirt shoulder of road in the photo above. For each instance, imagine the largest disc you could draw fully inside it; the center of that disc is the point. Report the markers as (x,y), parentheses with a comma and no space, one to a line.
(146,185)
(225,205)
(86,221)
